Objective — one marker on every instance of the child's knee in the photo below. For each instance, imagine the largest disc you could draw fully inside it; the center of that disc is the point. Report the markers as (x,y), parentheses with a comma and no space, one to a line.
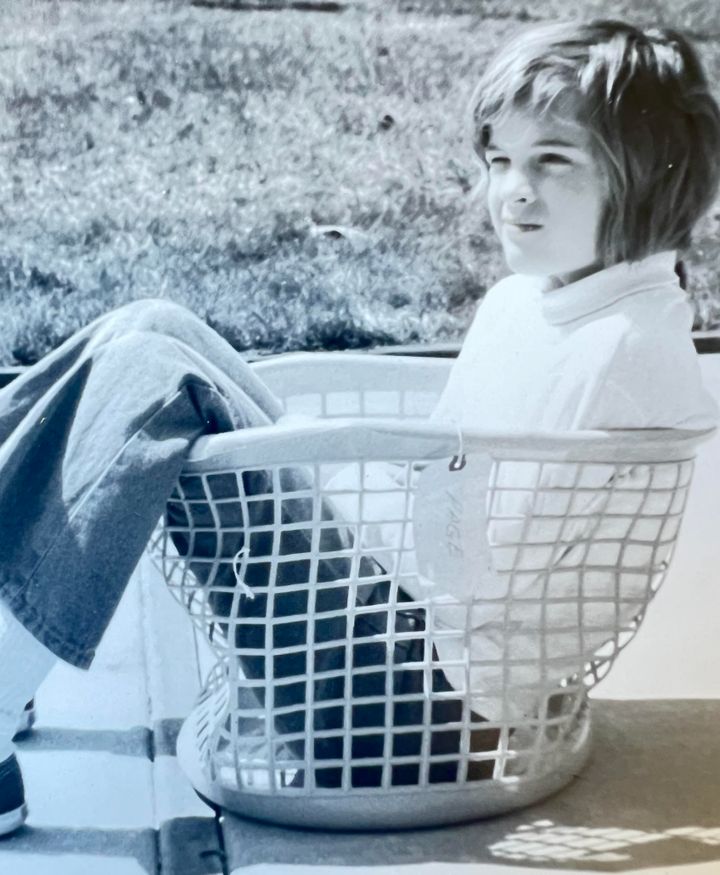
(132,345)
(148,314)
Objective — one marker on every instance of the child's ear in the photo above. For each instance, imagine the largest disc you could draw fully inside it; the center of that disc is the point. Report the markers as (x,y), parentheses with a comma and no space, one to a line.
(479,190)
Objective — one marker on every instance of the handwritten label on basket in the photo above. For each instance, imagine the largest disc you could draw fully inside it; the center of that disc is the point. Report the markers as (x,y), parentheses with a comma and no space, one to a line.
(450,528)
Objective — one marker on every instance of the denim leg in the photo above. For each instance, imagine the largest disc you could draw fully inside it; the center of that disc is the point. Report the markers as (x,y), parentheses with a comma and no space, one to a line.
(154,315)
(94,438)
(93,441)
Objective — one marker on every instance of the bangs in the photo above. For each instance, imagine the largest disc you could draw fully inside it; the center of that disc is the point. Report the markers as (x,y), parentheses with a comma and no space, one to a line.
(526,74)
(543,91)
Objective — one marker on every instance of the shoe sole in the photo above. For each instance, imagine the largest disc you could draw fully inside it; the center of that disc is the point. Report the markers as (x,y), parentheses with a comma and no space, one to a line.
(12,820)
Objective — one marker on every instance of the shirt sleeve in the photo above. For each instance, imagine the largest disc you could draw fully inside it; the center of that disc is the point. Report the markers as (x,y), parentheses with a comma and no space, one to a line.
(494,311)
(652,381)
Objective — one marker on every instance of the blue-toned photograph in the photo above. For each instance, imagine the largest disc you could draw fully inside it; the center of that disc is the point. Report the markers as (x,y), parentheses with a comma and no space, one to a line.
(359,449)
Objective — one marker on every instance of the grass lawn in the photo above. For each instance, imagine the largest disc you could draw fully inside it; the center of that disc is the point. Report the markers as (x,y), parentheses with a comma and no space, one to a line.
(302,180)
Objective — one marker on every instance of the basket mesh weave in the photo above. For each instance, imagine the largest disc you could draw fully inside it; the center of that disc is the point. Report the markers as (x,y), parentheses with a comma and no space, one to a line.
(342,667)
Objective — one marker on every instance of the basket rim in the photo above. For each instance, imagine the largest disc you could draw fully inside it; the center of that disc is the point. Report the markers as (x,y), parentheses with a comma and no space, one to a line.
(349,439)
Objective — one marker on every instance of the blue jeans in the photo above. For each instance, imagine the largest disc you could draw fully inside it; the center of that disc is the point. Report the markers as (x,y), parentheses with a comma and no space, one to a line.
(92,442)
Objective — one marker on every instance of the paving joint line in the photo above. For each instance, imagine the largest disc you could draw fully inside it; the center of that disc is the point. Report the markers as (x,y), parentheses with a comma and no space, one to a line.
(221,854)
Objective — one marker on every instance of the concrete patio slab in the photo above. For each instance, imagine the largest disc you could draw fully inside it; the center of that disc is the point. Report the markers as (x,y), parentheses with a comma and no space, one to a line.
(189,834)
(55,863)
(114,693)
(86,765)
(80,790)
(104,790)
(649,798)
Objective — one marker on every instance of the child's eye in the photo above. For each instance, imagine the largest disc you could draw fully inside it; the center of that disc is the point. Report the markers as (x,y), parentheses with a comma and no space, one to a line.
(498,161)
(554,158)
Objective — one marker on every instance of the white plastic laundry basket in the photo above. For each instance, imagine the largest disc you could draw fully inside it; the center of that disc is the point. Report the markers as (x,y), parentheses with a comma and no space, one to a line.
(407,621)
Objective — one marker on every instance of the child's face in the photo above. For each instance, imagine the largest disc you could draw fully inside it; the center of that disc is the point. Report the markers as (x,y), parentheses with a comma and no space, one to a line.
(545,195)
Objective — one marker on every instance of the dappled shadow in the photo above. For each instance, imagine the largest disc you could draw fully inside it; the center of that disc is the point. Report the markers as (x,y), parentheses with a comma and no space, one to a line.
(648,797)
(606,848)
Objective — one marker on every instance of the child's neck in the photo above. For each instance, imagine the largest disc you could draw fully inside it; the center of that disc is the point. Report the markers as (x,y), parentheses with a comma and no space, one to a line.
(574,276)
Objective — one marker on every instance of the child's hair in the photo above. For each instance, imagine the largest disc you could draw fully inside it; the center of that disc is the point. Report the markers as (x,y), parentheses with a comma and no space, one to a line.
(645,100)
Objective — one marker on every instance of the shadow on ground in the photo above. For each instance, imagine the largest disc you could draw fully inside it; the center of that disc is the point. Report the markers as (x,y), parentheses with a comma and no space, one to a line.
(648,797)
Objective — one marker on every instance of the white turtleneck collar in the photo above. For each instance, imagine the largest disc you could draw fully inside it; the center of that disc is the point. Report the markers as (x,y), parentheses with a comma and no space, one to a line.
(603,288)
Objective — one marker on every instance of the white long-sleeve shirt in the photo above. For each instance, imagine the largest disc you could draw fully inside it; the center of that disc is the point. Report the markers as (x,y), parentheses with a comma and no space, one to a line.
(612,350)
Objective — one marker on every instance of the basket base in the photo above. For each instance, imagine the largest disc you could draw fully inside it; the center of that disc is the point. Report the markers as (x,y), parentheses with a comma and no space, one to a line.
(394,808)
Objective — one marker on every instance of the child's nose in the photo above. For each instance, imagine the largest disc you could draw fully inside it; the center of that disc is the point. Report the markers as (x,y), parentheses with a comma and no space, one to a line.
(519,187)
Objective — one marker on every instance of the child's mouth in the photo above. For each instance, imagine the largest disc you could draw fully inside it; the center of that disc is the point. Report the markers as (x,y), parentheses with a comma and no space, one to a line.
(521,227)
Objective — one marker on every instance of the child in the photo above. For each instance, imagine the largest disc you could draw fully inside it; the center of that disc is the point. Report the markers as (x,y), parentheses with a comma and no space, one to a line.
(602,148)
(602,144)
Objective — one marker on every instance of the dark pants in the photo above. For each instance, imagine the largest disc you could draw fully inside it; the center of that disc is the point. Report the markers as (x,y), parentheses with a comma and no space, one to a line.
(319,645)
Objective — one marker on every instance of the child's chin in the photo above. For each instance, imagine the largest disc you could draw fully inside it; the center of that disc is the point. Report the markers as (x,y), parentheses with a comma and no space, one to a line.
(519,263)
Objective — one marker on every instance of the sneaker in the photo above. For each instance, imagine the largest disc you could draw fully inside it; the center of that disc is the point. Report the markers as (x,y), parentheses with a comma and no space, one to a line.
(13,810)
(27,719)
